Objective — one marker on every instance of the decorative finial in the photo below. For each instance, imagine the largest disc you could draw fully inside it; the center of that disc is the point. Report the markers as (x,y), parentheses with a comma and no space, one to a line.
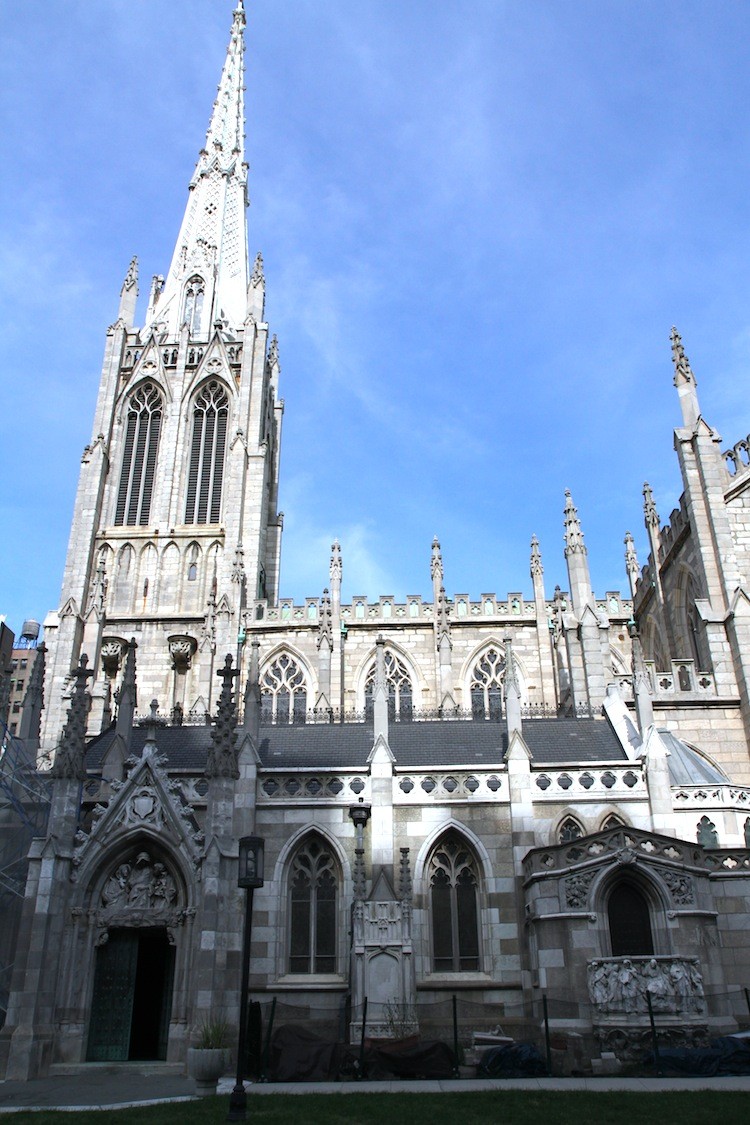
(683,372)
(537,569)
(222,759)
(70,753)
(436,562)
(131,277)
(573,536)
(336,567)
(257,277)
(650,513)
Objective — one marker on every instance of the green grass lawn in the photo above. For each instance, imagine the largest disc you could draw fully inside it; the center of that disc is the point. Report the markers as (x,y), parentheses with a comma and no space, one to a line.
(516,1107)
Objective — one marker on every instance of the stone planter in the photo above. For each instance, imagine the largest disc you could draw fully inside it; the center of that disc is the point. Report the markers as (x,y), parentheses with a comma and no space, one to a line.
(206,1065)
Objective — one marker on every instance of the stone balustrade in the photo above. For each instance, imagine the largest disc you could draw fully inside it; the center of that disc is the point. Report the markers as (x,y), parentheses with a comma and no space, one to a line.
(623,782)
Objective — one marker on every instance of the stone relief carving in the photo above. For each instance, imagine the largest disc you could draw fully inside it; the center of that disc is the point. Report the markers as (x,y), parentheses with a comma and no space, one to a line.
(138,892)
(680,888)
(577,889)
(621,985)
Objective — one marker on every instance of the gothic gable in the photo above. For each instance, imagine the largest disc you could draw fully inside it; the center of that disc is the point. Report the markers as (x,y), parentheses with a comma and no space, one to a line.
(146,804)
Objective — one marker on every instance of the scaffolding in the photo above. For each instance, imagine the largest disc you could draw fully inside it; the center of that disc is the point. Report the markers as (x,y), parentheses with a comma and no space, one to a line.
(25,795)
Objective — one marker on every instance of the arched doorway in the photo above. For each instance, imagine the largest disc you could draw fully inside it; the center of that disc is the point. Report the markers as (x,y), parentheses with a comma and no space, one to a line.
(140,906)
(132,998)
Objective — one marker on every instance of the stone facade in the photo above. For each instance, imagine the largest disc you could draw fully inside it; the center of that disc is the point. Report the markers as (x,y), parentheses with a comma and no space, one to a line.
(501,798)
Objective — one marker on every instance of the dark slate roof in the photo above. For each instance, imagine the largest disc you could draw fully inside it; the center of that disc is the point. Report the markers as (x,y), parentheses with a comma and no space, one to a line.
(416,745)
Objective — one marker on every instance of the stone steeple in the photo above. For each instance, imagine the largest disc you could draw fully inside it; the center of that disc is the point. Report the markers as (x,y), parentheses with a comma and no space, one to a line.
(212,243)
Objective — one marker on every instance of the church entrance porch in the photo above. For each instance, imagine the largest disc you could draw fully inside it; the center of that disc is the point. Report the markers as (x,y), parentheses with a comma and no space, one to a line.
(132,998)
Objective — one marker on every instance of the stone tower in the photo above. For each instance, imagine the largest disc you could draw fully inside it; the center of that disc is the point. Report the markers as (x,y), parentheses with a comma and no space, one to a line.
(176,523)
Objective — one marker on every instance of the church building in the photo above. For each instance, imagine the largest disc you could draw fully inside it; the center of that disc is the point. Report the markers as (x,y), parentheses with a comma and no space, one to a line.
(503,798)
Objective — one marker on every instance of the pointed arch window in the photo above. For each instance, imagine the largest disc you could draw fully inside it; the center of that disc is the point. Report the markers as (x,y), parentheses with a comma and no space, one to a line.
(453,879)
(398,686)
(283,688)
(629,921)
(194,294)
(139,457)
(486,686)
(313,898)
(206,471)
(569,831)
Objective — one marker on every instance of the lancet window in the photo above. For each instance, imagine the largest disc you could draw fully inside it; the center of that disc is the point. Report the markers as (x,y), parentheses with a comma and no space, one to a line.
(283,688)
(313,893)
(139,456)
(453,879)
(486,685)
(206,472)
(194,294)
(397,685)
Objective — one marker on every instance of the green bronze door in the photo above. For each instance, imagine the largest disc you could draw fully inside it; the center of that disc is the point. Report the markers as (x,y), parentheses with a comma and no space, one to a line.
(112,1005)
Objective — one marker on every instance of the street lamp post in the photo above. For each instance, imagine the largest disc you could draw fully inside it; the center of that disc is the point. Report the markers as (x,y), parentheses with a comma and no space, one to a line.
(250,876)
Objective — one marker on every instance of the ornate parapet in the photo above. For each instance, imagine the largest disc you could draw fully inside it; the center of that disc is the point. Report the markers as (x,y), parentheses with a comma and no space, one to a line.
(620,987)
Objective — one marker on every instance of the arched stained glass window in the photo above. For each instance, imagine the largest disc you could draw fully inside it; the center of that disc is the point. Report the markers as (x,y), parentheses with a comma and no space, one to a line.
(194,294)
(139,457)
(206,472)
(453,878)
(313,888)
(486,685)
(398,686)
(283,691)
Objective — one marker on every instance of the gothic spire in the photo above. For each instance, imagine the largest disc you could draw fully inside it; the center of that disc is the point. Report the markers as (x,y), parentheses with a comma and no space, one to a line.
(208,278)
(684,380)
(70,753)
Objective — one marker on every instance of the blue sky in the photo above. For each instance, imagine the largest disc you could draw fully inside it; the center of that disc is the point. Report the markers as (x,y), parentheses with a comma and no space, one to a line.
(479,221)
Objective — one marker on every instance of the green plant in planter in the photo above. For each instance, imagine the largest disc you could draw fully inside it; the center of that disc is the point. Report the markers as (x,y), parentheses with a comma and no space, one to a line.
(213,1035)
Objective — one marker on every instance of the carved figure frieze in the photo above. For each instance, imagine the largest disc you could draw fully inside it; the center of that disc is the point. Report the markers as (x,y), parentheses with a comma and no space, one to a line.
(622,985)
(139,892)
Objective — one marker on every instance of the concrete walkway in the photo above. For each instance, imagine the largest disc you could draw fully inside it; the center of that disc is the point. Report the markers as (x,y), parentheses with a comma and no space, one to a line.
(130,1085)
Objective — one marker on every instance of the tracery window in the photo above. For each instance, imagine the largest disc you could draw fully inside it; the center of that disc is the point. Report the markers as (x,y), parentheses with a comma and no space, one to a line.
(486,685)
(453,879)
(283,691)
(613,821)
(569,830)
(313,887)
(139,456)
(206,472)
(194,294)
(398,687)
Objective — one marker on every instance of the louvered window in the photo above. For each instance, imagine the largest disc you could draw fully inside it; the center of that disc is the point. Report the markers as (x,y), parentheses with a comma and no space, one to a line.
(139,457)
(206,472)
